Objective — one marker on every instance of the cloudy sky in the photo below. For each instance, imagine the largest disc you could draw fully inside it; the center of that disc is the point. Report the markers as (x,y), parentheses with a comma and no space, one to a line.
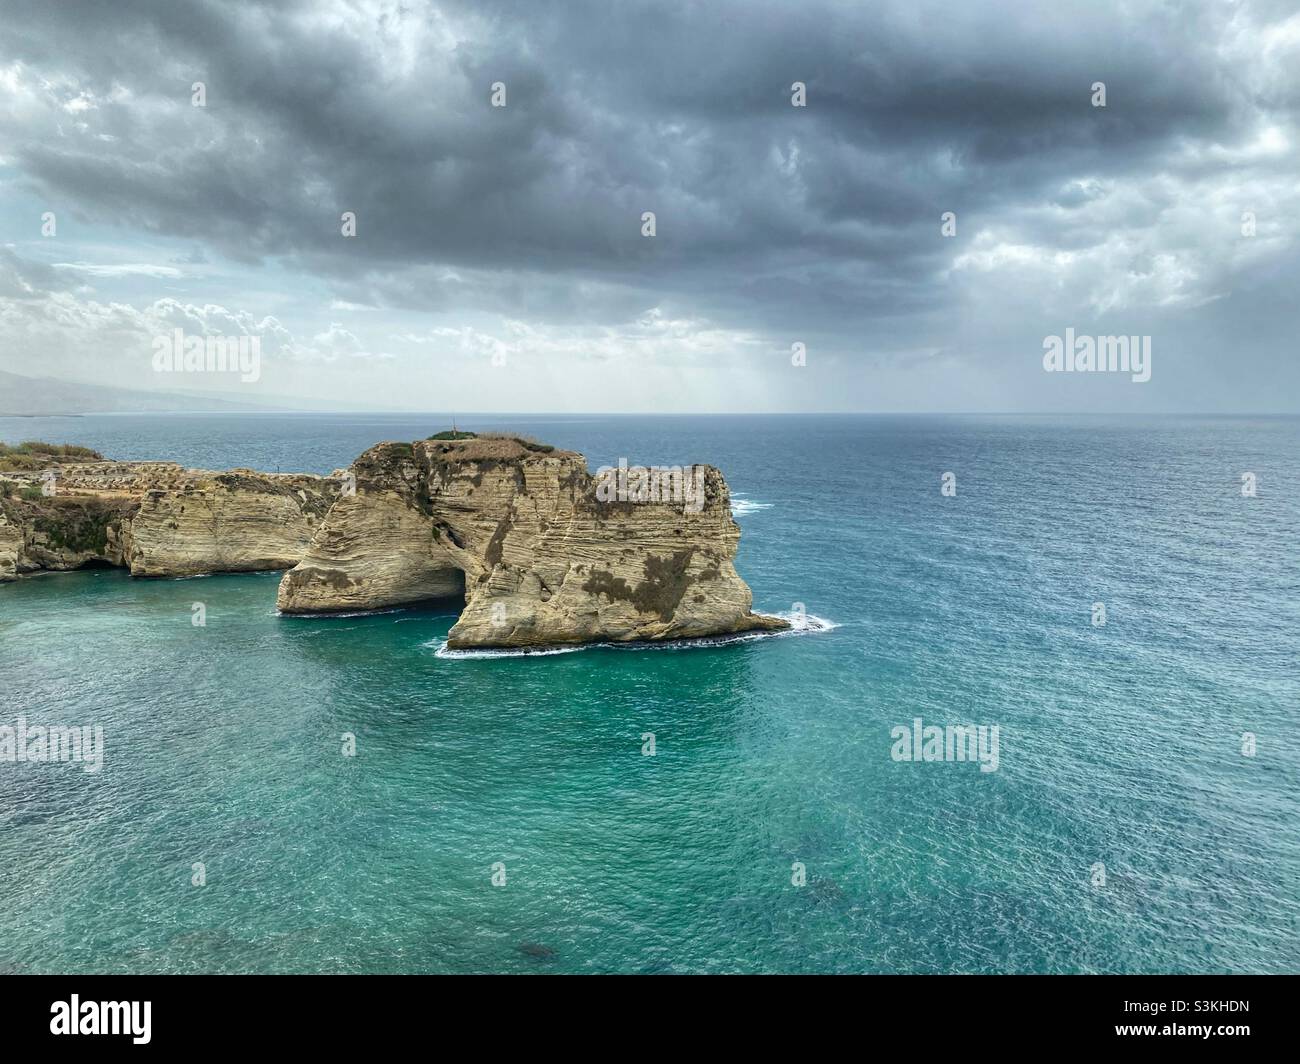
(499,262)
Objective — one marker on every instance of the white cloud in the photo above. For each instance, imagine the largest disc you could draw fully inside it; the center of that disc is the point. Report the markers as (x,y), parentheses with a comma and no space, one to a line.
(125,269)
(652,337)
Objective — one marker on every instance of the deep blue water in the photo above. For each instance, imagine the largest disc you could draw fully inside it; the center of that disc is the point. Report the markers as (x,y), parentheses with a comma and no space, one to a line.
(1119,744)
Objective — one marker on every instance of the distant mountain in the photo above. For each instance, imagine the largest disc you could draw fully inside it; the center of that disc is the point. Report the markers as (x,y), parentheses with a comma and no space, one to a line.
(35,396)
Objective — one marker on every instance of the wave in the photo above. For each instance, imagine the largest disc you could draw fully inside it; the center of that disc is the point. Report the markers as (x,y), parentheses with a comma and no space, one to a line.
(441,650)
(329,615)
(232,572)
(800,624)
(742,505)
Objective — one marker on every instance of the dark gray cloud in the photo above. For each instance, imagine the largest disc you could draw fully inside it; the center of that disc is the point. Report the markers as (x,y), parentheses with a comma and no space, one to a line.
(819,222)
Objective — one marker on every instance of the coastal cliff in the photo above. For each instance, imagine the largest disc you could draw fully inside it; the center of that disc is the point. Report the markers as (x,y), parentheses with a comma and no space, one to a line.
(521,530)
(62,511)
(520,527)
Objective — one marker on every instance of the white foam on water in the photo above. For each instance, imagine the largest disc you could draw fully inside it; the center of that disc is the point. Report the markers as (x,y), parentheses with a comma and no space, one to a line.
(237,572)
(800,624)
(742,505)
(441,650)
(340,615)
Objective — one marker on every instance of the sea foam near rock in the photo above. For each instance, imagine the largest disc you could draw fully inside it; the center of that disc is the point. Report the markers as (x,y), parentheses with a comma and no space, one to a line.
(800,624)
(742,505)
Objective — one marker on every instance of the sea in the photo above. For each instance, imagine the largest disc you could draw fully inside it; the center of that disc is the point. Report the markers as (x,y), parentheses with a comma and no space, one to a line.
(287,794)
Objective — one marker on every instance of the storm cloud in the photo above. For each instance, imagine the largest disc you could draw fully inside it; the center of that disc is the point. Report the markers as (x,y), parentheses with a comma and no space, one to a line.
(517,229)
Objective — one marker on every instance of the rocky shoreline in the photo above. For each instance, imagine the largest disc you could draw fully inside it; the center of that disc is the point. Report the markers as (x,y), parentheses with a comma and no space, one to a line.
(516,527)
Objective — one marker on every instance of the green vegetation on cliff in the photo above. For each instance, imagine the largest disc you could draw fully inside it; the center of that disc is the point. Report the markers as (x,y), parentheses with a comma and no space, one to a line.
(79,525)
(34,454)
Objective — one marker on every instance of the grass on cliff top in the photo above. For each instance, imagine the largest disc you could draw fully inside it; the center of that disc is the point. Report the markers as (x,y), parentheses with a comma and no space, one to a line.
(528,442)
(523,441)
(35,454)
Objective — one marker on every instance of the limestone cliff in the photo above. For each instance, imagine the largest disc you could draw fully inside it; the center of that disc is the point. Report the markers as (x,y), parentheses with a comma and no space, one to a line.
(519,529)
(238,521)
(155,518)
(11,547)
(541,560)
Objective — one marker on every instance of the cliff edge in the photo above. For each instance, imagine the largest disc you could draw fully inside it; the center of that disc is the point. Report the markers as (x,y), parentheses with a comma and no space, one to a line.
(68,508)
(542,551)
(542,555)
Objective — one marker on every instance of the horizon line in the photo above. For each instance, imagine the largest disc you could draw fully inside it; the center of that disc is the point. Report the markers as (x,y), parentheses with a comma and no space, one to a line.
(659,413)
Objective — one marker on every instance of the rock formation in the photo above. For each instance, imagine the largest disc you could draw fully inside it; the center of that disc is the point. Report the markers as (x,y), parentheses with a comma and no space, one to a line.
(519,529)
(155,518)
(541,560)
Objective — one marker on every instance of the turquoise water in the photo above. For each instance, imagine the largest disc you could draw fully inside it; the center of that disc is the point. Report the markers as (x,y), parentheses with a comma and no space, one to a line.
(1118,744)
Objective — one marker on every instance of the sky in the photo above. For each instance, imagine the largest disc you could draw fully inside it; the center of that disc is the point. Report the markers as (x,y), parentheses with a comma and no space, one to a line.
(500,260)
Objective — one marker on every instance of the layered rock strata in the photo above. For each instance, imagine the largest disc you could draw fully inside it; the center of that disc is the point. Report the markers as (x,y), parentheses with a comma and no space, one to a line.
(520,530)
(541,560)
(156,518)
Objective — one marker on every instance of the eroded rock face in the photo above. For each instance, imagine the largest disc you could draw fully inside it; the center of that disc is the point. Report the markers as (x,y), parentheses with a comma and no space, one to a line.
(518,529)
(158,519)
(240,521)
(543,561)
(11,547)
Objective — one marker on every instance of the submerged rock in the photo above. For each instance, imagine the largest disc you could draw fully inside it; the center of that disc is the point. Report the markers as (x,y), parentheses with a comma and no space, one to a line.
(541,560)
